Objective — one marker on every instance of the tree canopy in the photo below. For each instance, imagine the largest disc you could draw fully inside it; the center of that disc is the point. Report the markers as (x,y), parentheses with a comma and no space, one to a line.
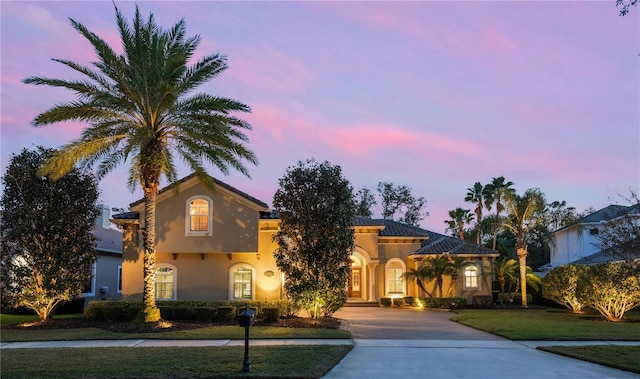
(48,246)
(315,241)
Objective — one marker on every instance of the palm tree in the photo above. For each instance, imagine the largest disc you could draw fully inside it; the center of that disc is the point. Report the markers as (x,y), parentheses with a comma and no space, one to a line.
(496,191)
(141,109)
(506,270)
(459,218)
(523,213)
(456,263)
(419,275)
(435,268)
(478,195)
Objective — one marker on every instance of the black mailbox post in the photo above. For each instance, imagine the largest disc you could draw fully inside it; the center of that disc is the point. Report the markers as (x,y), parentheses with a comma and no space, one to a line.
(246,319)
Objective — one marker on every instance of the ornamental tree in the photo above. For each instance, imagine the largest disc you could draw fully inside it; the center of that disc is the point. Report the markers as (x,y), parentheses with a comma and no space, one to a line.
(315,240)
(611,288)
(560,285)
(48,247)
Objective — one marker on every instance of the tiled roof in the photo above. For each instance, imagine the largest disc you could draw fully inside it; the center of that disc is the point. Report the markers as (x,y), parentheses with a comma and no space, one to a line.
(440,244)
(109,240)
(610,212)
(126,216)
(216,182)
(592,259)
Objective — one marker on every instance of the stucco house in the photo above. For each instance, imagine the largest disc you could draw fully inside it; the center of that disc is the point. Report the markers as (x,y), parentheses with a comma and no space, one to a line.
(217,244)
(579,243)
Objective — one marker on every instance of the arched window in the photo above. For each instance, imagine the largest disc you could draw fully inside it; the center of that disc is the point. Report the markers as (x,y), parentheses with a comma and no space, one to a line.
(165,282)
(241,282)
(470,277)
(199,215)
(395,279)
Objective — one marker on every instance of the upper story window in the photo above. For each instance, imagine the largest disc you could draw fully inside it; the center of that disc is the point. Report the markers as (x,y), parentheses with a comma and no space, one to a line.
(199,215)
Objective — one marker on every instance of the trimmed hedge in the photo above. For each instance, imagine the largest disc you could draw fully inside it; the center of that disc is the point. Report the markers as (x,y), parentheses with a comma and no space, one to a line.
(386,301)
(444,302)
(199,310)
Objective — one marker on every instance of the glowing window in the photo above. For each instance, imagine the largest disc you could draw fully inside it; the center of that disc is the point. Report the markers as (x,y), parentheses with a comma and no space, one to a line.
(395,279)
(471,277)
(242,283)
(199,214)
(165,283)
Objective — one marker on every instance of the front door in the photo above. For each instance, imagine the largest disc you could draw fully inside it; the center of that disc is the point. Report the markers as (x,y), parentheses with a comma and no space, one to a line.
(355,282)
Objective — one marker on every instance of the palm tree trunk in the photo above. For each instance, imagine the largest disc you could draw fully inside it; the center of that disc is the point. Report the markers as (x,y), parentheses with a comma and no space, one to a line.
(151,312)
(522,261)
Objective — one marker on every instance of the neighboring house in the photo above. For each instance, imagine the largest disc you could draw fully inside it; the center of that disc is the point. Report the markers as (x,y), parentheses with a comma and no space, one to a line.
(579,243)
(106,282)
(218,245)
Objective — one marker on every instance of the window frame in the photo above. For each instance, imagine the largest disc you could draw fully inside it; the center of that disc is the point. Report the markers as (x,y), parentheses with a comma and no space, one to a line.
(231,287)
(187,217)
(174,285)
(476,277)
(119,290)
(93,281)
(387,280)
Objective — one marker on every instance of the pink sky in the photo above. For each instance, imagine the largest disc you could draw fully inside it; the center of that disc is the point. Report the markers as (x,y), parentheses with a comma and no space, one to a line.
(432,95)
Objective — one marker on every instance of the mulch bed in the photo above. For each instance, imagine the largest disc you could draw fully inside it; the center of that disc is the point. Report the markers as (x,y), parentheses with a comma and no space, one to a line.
(164,326)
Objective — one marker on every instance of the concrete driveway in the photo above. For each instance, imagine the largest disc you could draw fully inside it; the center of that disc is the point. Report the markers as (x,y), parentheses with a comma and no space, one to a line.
(404,343)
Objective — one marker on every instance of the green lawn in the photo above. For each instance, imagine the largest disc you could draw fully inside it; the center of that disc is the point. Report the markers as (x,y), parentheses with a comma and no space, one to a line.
(307,361)
(622,357)
(557,325)
(552,325)
(210,332)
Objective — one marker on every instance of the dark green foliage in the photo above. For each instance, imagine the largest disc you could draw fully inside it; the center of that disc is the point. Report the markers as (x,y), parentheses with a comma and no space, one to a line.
(398,301)
(198,310)
(399,198)
(386,301)
(315,240)
(48,247)
(443,302)
(270,314)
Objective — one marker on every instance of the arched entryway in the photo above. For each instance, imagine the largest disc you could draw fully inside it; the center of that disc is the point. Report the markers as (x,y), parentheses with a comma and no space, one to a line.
(362,278)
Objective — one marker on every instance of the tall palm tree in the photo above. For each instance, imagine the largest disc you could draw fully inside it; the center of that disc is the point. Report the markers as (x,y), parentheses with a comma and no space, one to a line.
(523,213)
(459,218)
(478,195)
(141,109)
(496,192)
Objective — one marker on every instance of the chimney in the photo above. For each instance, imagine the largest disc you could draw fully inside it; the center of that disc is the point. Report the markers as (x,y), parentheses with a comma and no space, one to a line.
(103,219)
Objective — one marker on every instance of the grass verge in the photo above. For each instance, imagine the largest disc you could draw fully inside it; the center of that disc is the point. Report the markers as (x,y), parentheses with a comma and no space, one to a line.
(550,325)
(10,334)
(621,357)
(306,361)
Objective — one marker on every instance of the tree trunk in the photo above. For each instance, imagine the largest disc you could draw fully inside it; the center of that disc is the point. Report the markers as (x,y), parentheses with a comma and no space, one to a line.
(151,312)
(522,260)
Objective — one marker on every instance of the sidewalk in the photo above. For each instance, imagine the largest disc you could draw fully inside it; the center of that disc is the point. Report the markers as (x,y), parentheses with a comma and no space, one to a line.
(272,342)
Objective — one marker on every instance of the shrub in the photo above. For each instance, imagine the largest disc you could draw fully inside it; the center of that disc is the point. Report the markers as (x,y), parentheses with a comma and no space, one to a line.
(386,301)
(113,310)
(560,284)
(611,288)
(398,301)
(225,313)
(444,302)
(204,314)
(270,314)
(183,313)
